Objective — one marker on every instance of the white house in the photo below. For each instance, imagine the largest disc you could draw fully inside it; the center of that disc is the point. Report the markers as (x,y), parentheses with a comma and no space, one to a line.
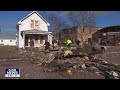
(8,40)
(35,27)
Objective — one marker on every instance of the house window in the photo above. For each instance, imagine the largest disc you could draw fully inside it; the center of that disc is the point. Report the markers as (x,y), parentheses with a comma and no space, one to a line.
(36,23)
(32,24)
(1,40)
(10,40)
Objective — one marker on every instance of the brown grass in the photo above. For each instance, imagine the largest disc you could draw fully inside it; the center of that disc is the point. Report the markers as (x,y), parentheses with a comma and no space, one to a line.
(8,51)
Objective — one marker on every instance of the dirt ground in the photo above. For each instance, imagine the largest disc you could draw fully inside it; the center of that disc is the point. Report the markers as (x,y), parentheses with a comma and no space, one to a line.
(29,71)
(10,57)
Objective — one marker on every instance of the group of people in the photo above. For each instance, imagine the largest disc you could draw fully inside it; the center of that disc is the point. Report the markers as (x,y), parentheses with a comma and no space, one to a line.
(47,44)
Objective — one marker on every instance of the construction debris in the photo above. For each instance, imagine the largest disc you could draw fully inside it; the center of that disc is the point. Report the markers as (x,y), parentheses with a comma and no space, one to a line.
(56,60)
(68,52)
(113,74)
(86,58)
(59,60)
(69,72)
(83,66)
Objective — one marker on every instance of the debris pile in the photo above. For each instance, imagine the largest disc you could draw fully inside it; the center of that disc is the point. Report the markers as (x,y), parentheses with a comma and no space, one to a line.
(67,62)
(43,57)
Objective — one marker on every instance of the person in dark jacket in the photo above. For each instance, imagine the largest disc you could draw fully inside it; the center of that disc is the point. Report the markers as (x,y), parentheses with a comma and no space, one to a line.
(47,45)
(31,44)
(53,42)
(77,42)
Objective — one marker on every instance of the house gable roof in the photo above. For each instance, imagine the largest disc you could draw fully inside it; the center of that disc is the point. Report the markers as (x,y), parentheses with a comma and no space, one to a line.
(32,14)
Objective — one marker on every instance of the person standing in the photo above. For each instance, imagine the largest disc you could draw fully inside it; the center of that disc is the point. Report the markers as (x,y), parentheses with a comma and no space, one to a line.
(68,42)
(31,44)
(53,42)
(47,45)
(77,42)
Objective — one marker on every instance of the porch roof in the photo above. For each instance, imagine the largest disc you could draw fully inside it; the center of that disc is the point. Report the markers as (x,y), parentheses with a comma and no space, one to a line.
(113,33)
(36,32)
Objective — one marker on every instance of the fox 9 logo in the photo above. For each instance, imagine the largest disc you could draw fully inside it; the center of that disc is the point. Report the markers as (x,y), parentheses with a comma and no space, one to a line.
(12,72)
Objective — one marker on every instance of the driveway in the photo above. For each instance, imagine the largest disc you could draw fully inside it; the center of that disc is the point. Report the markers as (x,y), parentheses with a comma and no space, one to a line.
(112,57)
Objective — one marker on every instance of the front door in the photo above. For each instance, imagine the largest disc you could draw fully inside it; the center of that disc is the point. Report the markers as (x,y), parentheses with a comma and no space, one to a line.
(32,37)
(41,39)
(36,40)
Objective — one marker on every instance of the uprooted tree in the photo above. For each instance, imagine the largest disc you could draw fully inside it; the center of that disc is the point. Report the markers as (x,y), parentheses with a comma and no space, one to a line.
(82,19)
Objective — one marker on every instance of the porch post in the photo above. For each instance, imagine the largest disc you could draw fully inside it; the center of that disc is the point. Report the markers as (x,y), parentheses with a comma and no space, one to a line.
(23,40)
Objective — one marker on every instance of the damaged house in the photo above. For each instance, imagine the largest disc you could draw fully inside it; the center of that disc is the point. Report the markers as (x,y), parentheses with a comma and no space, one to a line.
(78,33)
(33,27)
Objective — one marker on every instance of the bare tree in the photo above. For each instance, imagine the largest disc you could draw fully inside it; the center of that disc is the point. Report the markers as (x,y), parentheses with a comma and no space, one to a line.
(82,19)
(57,23)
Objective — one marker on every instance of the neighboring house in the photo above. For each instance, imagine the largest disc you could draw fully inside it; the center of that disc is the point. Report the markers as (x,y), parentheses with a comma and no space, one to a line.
(8,40)
(111,33)
(35,27)
(76,34)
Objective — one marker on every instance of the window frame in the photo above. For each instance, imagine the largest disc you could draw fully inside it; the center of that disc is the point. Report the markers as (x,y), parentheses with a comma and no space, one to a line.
(10,40)
(1,40)
(34,23)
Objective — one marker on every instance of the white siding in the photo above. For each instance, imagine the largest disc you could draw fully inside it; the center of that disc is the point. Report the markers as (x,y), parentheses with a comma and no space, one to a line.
(7,42)
(21,40)
(25,25)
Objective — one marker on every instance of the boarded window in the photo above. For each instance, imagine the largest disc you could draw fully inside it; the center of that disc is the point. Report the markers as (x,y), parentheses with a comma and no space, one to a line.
(36,23)
(32,24)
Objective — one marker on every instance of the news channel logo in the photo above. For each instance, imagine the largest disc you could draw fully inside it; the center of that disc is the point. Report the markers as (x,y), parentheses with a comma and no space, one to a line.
(11,72)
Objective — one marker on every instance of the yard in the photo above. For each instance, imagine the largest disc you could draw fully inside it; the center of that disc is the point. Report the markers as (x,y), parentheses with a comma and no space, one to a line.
(12,57)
